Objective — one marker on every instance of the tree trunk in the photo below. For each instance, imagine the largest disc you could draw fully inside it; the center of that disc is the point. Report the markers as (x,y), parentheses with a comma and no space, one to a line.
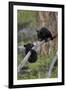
(49,20)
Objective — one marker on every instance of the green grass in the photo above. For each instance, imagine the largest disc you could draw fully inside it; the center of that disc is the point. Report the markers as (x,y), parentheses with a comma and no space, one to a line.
(39,69)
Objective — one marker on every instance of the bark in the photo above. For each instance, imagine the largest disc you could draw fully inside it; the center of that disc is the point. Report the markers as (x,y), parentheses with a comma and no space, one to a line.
(49,20)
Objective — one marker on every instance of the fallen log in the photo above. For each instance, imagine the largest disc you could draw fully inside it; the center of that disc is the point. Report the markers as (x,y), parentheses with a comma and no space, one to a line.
(23,62)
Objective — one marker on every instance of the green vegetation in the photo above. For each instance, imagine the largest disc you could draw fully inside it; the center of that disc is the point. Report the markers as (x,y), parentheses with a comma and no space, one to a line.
(40,68)
(25,17)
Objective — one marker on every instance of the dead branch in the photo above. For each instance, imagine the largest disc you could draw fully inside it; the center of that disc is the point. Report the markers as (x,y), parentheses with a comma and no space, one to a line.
(52,65)
(23,62)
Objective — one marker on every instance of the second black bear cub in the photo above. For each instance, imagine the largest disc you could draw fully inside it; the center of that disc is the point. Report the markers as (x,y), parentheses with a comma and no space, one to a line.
(44,34)
(33,56)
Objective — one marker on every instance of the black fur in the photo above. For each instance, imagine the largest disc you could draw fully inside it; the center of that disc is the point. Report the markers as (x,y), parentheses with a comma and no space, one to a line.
(44,34)
(33,56)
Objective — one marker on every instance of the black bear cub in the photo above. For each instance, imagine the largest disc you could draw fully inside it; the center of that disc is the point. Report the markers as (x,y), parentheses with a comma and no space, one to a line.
(33,56)
(44,34)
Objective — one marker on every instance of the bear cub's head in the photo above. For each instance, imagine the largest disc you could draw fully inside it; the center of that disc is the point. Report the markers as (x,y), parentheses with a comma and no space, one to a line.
(33,56)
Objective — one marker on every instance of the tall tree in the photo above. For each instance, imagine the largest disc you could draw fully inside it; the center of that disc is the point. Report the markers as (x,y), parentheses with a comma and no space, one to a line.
(49,20)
